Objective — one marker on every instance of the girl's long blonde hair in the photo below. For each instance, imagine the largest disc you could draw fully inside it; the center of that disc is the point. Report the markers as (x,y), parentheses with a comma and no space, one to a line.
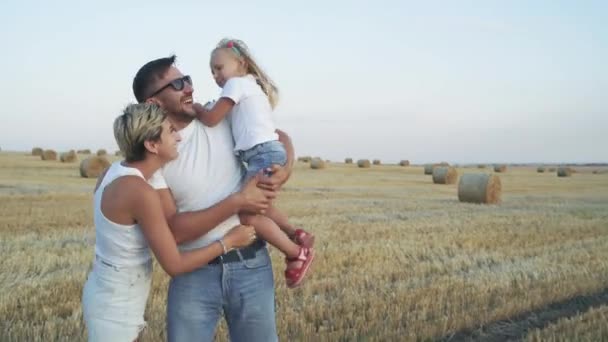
(240,50)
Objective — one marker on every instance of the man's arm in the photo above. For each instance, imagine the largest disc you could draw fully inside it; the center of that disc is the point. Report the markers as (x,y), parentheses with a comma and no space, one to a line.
(280,174)
(286,140)
(188,226)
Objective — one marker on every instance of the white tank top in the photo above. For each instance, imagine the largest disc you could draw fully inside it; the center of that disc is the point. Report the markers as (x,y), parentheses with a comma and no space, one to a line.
(118,244)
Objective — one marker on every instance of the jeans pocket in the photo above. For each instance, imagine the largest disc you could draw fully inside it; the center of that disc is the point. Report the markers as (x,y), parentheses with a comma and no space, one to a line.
(262,259)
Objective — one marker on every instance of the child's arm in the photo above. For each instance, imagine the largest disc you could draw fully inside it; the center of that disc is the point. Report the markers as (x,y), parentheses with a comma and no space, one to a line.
(213,116)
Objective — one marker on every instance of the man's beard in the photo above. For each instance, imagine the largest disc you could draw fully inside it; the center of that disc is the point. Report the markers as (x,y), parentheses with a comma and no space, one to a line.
(181,116)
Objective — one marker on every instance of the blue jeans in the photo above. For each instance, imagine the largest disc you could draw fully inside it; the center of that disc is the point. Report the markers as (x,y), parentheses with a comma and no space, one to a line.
(262,156)
(243,290)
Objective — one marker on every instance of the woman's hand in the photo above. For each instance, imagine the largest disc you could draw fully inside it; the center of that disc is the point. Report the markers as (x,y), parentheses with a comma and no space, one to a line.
(239,237)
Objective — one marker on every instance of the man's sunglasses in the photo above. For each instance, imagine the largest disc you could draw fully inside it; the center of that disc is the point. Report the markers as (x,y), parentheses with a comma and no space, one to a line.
(177,84)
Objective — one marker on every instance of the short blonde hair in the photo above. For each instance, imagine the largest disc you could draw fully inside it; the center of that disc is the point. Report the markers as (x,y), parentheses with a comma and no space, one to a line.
(137,124)
(239,49)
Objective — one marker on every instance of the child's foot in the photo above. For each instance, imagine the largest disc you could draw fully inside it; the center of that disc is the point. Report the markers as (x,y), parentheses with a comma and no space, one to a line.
(298,266)
(303,238)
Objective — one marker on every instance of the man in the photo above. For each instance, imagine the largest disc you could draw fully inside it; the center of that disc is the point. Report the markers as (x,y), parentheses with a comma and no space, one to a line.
(201,197)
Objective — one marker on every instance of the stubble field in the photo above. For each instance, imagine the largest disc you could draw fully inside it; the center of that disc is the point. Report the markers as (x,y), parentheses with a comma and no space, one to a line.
(398,258)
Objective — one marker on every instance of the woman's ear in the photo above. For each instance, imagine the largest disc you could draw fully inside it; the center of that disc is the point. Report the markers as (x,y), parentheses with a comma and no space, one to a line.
(151,146)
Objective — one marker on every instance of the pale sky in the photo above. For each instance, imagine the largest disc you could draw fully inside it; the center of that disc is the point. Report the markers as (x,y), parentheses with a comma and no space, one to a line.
(456,81)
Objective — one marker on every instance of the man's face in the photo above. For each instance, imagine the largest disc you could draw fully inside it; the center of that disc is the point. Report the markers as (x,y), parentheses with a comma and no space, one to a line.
(176,102)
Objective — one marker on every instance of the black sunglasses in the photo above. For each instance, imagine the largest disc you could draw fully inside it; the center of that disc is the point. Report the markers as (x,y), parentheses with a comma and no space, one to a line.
(177,84)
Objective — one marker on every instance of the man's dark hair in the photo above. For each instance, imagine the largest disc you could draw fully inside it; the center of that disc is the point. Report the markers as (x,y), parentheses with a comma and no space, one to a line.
(149,73)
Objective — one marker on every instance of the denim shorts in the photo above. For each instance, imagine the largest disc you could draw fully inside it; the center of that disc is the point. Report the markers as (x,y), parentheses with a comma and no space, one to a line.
(262,156)
(114,299)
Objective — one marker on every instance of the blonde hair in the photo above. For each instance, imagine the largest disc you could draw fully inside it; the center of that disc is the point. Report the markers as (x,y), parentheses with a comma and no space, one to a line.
(240,50)
(137,124)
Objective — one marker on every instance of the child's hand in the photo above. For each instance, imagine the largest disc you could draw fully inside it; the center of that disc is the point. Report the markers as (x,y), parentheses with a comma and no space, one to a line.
(209,104)
(199,109)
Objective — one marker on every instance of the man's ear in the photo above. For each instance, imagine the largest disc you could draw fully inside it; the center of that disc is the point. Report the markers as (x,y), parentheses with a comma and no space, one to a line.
(153,100)
(151,146)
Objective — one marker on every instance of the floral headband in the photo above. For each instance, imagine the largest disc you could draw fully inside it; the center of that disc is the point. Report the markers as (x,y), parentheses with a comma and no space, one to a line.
(230,45)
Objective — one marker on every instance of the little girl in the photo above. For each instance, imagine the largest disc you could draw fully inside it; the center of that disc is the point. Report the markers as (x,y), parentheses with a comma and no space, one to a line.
(247,100)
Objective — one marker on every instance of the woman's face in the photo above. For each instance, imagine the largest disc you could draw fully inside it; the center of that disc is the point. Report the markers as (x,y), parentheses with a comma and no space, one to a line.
(169,137)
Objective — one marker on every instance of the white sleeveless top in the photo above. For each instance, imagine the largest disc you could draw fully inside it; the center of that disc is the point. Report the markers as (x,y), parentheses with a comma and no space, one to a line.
(118,244)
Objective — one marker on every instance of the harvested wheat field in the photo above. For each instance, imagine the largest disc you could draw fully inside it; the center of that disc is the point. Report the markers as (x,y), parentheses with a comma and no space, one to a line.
(398,257)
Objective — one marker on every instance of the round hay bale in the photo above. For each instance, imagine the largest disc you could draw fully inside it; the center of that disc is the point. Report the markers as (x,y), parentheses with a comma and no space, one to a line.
(348,161)
(85,151)
(444,175)
(68,157)
(479,188)
(101,152)
(428,169)
(377,162)
(305,159)
(564,172)
(37,151)
(481,166)
(317,163)
(540,169)
(49,155)
(404,163)
(364,163)
(92,167)
(500,168)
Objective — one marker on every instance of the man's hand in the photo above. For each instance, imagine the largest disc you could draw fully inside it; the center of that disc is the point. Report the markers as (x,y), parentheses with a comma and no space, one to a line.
(278,176)
(253,198)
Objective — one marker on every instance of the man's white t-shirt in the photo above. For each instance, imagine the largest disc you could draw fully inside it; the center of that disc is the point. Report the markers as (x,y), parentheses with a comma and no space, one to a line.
(251,116)
(205,172)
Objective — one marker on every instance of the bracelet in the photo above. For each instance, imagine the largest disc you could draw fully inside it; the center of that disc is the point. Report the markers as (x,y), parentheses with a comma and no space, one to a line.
(221,241)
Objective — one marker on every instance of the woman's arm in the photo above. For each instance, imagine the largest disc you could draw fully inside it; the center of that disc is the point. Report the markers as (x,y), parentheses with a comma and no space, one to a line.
(147,210)
(190,225)
(213,116)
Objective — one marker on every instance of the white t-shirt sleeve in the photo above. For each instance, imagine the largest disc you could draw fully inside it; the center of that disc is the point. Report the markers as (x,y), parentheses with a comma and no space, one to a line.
(157,181)
(234,89)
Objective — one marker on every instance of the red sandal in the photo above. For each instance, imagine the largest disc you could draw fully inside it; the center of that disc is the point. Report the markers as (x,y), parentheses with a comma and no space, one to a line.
(303,238)
(295,276)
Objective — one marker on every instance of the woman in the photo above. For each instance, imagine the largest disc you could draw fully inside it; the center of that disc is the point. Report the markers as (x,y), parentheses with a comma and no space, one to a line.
(129,221)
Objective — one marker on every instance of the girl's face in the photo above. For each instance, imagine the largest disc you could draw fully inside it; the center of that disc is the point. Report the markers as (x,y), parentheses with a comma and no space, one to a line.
(225,65)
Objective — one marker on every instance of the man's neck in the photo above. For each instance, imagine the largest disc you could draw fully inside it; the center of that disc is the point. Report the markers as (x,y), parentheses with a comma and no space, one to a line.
(180,121)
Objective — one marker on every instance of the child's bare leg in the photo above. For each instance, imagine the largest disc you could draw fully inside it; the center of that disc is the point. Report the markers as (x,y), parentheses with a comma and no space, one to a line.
(306,240)
(270,231)
(281,220)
